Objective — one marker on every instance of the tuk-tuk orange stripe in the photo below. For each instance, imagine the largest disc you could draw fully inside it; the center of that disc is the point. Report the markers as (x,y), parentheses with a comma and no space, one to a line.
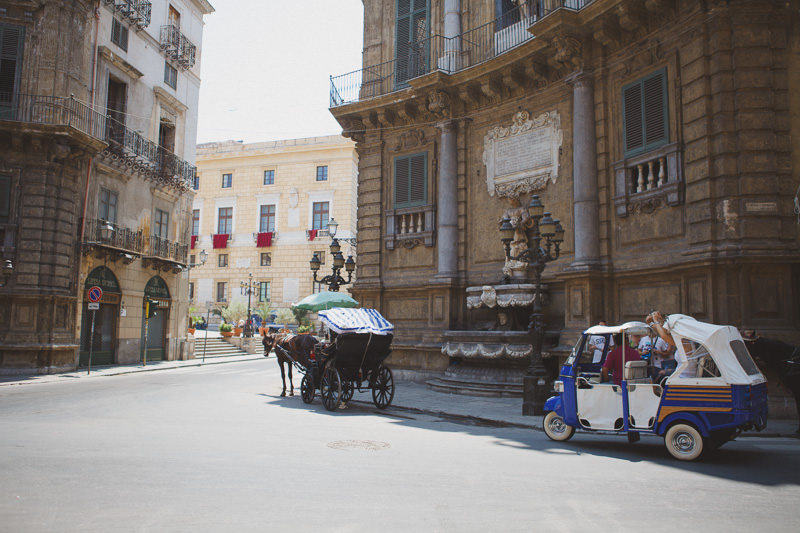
(668,410)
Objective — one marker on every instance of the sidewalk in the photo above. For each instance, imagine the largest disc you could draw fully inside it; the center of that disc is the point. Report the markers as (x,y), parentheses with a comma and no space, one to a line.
(409,396)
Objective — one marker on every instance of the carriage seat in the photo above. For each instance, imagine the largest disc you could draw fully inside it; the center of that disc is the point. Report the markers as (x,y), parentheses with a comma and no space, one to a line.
(636,372)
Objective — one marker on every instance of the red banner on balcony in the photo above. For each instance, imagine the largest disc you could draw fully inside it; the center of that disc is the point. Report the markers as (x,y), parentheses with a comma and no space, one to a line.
(264,239)
(312,234)
(220,240)
(194,241)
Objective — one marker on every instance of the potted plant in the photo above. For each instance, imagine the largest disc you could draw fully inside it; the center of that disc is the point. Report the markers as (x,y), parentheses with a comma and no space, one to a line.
(226,330)
(235,311)
(191,325)
(305,330)
(267,315)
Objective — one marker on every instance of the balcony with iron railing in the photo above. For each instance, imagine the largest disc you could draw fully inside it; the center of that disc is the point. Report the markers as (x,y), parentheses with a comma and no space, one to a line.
(116,242)
(130,149)
(137,12)
(447,54)
(177,46)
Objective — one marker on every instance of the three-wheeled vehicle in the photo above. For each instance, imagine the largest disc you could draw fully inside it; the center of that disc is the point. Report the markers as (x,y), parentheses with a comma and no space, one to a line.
(715,392)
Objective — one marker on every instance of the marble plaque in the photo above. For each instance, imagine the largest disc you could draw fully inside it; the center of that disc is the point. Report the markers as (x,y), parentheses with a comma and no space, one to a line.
(522,157)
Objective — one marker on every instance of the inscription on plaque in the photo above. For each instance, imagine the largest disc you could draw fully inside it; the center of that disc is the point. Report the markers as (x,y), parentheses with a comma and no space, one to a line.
(523,157)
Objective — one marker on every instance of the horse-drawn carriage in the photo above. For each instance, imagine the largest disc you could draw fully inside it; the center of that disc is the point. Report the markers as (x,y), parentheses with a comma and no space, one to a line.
(350,360)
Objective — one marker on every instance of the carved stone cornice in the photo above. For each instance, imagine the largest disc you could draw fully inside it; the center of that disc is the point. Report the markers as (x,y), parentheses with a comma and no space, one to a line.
(568,52)
(410,140)
(439,104)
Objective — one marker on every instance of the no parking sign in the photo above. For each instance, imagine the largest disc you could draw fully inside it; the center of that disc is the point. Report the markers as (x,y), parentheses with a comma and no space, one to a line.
(94,294)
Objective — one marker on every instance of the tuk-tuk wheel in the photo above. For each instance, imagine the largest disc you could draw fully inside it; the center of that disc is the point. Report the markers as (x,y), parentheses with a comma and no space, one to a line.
(556,429)
(684,442)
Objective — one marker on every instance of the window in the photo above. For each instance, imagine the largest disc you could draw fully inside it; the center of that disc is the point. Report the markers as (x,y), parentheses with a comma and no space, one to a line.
(170,75)
(227,181)
(5,198)
(222,260)
(320,215)
(411,39)
(318,288)
(161,224)
(11,39)
(267,221)
(191,287)
(222,291)
(269,177)
(266,259)
(505,14)
(321,255)
(192,259)
(264,291)
(411,180)
(196,182)
(195,222)
(322,173)
(119,34)
(644,114)
(225,222)
(107,210)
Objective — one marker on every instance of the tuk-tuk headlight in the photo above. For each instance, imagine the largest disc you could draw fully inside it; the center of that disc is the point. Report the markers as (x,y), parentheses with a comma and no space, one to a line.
(558,386)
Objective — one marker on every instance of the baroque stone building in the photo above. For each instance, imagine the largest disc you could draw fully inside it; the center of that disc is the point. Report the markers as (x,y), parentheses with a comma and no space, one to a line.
(98,118)
(263,209)
(658,132)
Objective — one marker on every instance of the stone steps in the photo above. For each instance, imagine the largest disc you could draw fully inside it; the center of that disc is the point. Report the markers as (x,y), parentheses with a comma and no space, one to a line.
(216,347)
(476,388)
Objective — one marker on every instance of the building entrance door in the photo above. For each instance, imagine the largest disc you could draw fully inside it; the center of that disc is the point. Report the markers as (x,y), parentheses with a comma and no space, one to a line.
(103,344)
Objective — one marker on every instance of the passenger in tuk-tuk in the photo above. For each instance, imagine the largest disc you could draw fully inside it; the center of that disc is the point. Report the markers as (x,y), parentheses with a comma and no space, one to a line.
(616,359)
(656,321)
(597,344)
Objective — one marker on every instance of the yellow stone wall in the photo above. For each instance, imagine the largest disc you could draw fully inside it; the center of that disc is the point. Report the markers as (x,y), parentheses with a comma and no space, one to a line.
(296,188)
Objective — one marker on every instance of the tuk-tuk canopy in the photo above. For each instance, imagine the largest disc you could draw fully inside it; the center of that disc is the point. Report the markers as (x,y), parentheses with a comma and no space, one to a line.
(724,344)
(628,328)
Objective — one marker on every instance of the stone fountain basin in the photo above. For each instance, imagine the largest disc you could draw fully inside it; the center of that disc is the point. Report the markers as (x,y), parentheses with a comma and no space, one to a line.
(487,345)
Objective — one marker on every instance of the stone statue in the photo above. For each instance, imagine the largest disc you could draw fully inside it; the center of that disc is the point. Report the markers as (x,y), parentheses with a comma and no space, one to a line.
(521,221)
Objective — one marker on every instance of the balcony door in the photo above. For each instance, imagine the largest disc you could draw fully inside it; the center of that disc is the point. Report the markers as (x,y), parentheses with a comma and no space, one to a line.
(412,44)
(116,104)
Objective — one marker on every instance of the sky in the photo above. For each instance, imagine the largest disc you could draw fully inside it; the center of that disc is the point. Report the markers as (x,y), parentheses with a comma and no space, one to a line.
(266,67)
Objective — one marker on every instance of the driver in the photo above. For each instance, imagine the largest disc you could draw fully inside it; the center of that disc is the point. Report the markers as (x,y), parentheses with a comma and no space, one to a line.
(616,359)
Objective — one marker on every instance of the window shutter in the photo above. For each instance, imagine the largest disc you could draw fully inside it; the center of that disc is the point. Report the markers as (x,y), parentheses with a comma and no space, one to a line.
(644,114)
(411,180)
(416,192)
(632,110)
(655,109)
(411,31)
(401,181)
(11,39)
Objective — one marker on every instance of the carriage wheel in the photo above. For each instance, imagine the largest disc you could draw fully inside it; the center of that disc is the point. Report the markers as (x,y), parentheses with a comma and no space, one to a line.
(347,391)
(307,388)
(331,388)
(383,388)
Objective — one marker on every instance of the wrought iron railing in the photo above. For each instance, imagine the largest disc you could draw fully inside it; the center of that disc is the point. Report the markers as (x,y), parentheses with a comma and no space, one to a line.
(446,54)
(129,147)
(54,110)
(138,12)
(177,46)
(133,241)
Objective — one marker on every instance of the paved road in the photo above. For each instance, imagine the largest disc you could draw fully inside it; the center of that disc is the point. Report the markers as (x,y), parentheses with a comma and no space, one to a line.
(216,448)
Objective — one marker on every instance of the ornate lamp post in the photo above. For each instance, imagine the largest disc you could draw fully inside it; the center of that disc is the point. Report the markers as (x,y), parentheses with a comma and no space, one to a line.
(334,280)
(545,236)
(248,287)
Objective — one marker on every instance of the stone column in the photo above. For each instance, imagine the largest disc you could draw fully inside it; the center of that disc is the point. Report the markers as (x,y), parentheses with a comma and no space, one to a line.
(586,205)
(447,202)
(452,33)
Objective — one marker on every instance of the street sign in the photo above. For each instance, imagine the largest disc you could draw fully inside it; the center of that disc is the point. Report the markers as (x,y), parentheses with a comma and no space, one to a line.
(94,306)
(95,293)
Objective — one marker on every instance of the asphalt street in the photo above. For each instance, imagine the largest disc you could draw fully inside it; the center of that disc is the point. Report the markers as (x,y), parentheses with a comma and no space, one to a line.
(215,448)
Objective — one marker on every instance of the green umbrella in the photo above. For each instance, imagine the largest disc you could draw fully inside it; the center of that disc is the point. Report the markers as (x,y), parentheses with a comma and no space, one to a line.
(325,300)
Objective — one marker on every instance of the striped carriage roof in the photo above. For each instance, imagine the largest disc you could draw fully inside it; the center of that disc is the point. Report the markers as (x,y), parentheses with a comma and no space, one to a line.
(348,320)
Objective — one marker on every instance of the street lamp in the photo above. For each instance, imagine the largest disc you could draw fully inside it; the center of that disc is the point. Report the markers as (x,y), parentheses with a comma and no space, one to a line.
(545,236)
(203,259)
(333,226)
(334,280)
(248,288)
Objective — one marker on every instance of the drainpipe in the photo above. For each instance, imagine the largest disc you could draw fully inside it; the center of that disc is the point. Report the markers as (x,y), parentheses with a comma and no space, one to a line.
(91,114)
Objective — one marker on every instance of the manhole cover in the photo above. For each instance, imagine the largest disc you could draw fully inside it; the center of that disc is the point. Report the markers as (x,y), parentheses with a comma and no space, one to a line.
(371,445)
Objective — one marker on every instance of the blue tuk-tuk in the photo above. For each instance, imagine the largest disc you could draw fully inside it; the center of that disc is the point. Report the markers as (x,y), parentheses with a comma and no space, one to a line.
(715,393)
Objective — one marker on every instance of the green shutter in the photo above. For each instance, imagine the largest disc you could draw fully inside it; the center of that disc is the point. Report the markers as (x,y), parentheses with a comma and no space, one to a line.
(644,114)
(412,31)
(11,42)
(411,180)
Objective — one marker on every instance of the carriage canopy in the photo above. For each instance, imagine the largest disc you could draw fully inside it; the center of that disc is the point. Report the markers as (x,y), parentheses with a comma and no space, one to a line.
(342,320)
